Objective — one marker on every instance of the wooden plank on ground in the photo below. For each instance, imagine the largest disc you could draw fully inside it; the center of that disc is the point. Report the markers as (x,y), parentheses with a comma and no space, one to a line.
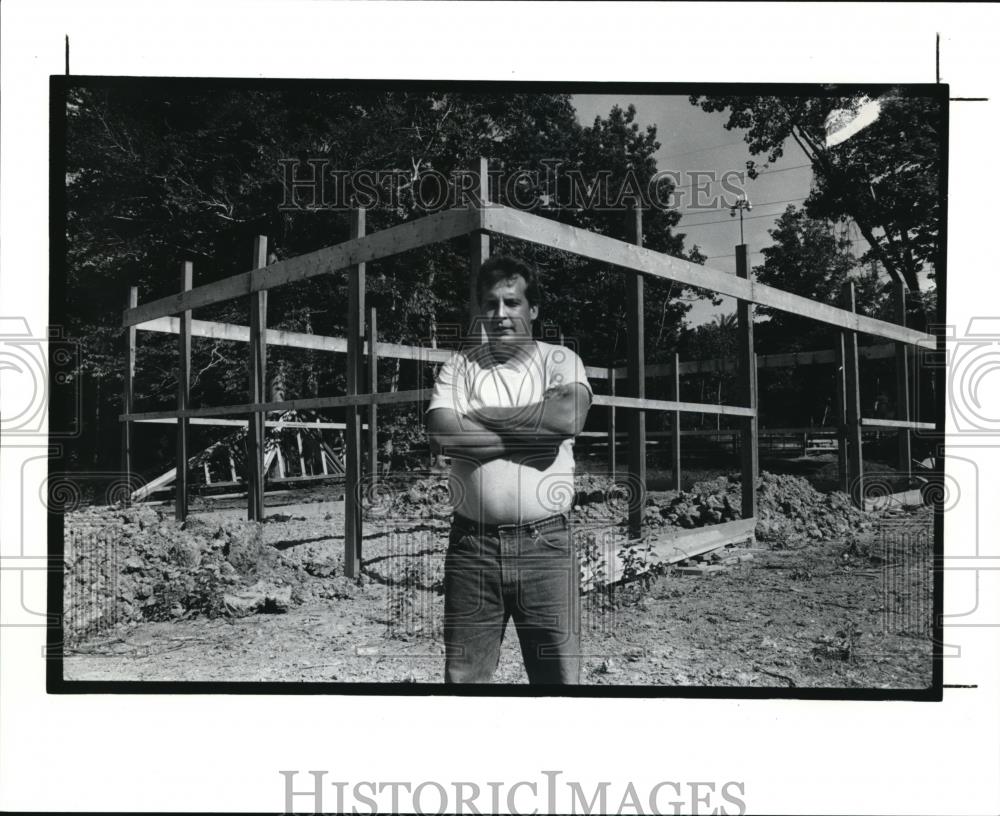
(905,498)
(620,558)
(677,545)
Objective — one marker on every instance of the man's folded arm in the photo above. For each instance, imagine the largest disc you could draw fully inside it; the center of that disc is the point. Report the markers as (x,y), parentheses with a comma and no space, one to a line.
(452,431)
(494,433)
(561,413)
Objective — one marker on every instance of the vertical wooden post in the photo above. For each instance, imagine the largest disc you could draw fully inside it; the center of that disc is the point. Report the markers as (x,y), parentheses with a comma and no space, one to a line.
(479,251)
(634,317)
(675,426)
(612,429)
(302,458)
(355,337)
(747,377)
(852,391)
(258,381)
(322,449)
(128,399)
(841,381)
(903,386)
(183,399)
(372,389)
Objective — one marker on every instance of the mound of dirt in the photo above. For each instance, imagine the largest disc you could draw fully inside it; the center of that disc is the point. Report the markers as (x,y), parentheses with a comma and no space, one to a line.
(789,509)
(126,566)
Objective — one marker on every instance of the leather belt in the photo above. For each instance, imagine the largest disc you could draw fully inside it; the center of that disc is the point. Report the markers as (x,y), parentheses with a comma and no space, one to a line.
(530,527)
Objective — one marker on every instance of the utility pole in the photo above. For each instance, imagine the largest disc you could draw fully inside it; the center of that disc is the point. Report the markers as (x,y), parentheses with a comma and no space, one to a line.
(742,204)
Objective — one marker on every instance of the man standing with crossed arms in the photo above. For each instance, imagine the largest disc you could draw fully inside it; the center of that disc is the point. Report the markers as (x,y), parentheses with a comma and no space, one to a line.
(506,412)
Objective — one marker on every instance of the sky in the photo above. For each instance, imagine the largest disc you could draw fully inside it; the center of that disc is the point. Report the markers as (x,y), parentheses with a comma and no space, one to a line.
(692,140)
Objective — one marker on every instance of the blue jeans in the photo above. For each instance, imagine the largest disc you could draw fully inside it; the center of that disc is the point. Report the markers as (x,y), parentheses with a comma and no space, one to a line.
(527,572)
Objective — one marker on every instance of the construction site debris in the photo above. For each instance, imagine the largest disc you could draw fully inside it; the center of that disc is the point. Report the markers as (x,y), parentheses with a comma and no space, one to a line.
(124,566)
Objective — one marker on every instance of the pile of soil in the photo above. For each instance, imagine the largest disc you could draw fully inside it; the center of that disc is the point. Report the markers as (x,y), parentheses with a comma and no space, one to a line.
(428,497)
(789,509)
(127,566)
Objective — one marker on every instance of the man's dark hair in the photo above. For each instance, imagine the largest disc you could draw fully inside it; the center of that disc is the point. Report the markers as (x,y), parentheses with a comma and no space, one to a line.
(501,267)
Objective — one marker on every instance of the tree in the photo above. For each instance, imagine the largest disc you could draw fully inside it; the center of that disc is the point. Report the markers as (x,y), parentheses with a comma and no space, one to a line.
(809,259)
(157,176)
(886,177)
(715,340)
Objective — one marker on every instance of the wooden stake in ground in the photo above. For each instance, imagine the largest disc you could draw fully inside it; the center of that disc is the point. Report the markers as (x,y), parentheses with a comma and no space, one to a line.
(183,398)
(747,367)
(258,381)
(355,338)
(127,396)
(852,390)
(635,321)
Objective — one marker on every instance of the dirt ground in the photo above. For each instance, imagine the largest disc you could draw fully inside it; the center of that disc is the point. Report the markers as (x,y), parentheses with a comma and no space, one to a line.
(845,607)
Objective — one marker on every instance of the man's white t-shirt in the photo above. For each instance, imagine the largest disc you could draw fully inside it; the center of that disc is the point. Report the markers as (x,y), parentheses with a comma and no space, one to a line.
(522,486)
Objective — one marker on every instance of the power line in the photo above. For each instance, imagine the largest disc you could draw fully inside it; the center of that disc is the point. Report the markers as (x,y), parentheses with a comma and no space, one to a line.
(758,204)
(783,169)
(731,255)
(702,150)
(727,220)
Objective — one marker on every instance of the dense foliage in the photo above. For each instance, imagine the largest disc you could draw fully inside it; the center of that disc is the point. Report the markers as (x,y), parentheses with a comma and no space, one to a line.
(886,177)
(160,173)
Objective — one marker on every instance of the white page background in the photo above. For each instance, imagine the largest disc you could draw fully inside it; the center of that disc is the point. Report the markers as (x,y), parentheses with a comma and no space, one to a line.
(176,753)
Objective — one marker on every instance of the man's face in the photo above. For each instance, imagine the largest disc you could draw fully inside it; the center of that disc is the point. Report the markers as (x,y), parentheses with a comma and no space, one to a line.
(506,312)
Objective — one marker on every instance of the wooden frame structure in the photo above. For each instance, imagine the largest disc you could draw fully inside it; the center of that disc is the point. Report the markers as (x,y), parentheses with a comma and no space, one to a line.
(478,221)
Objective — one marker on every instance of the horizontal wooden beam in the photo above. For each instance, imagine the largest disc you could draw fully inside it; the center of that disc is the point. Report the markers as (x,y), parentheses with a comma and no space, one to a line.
(898,423)
(783,360)
(535,229)
(420,395)
(279,337)
(724,432)
(672,405)
(430,229)
(338,345)
(308,404)
(242,423)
